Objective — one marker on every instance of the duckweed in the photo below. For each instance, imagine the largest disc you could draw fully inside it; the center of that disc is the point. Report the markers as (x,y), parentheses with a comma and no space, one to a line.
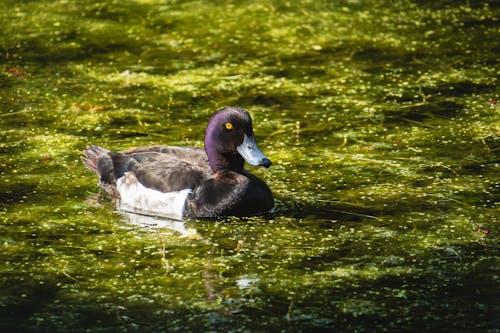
(382,123)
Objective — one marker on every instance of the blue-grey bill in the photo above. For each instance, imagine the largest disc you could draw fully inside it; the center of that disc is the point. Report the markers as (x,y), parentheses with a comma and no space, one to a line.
(251,153)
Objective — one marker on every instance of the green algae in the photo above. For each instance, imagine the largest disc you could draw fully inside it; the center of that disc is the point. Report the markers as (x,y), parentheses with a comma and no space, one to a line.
(380,119)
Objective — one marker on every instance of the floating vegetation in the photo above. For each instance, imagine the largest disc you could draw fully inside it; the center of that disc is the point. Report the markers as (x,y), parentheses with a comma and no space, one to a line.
(382,126)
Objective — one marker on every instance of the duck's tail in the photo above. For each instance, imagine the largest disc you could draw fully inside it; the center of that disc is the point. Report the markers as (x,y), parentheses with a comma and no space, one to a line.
(98,160)
(91,157)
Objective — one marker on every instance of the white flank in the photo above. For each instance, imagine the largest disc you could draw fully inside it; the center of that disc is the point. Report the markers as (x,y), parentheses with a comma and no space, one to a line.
(139,199)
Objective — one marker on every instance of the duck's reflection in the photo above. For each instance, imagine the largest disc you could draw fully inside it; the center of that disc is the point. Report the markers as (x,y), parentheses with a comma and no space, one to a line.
(217,288)
(146,221)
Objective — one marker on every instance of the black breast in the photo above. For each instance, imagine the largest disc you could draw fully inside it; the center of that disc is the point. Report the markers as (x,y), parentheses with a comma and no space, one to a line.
(231,195)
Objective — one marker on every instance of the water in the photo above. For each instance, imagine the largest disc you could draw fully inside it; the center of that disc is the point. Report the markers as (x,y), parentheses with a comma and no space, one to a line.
(381,122)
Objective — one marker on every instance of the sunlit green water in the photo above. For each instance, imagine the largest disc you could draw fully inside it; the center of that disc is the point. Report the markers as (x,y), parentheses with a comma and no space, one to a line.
(379,118)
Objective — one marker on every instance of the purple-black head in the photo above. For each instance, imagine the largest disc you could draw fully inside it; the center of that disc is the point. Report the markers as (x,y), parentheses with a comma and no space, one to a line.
(229,140)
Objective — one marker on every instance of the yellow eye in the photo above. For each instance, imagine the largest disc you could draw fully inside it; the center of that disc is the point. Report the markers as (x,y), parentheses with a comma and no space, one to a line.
(229,126)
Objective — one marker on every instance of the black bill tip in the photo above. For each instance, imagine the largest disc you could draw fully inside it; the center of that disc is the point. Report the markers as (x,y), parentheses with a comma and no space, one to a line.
(265,162)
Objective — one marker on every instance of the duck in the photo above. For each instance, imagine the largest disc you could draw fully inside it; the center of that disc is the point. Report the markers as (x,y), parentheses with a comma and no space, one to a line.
(189,182)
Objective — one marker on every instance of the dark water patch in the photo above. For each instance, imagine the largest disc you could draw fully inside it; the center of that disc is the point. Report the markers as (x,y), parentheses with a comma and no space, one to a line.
(326,212)
(9,76)
(294,71)
(30,299)
(170,60)
(481,23)
(306,63)
(16,147)
(381,55)
(458,89)
(47,54)
(268,100)
(453,4)
(423,112)
(16,192)
(26,117)
(488,197)
(488,164)
(125,12)
(119,119)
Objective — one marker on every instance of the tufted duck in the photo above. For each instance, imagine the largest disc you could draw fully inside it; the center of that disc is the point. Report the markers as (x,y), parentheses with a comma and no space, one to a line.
(186,181)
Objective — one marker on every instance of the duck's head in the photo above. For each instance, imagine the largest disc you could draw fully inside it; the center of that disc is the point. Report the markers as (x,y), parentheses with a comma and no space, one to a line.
(229,140)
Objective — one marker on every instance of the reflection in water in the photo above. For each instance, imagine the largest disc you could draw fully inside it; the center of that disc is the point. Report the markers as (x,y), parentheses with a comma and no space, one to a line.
(246,282)
(215,287)
(145,221)
(160,223)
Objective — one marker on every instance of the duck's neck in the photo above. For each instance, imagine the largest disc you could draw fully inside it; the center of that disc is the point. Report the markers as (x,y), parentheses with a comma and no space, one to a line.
(224,163)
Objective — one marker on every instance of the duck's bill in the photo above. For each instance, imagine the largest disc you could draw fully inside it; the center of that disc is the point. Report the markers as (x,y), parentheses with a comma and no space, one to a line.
(251,153)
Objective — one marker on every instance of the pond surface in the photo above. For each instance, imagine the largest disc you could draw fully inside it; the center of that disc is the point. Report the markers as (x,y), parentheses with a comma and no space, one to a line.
(382,123)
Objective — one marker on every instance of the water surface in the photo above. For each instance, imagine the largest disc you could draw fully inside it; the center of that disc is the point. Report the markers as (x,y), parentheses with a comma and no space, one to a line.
(382,123)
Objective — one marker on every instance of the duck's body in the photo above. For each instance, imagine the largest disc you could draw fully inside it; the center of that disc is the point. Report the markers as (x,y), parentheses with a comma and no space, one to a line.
(187,181)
